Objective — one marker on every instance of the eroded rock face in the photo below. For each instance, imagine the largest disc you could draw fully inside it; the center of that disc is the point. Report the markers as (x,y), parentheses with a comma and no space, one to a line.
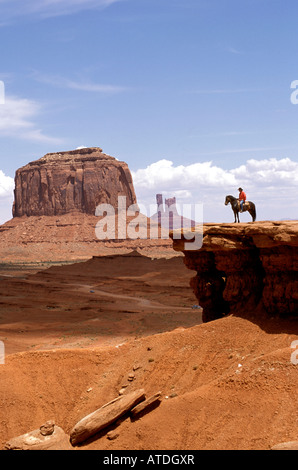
(78,180)
(245,266)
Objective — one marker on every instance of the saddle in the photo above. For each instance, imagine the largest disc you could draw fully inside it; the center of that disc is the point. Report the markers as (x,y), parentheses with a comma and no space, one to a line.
(246,206)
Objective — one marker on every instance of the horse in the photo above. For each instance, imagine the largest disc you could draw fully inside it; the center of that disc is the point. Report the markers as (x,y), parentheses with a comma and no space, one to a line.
(248,206)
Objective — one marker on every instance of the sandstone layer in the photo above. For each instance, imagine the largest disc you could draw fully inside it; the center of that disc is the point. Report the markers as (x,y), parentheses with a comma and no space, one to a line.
(77,180)
(69,237)
(245,267)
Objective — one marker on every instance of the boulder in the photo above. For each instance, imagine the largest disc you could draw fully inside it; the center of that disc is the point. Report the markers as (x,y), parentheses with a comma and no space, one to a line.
(47,437)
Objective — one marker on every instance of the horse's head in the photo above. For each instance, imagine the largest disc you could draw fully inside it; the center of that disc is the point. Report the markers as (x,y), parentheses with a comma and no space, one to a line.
(229,199)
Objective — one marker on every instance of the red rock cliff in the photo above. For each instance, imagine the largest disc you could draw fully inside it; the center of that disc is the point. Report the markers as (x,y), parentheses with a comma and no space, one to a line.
(77,180)
(245,266)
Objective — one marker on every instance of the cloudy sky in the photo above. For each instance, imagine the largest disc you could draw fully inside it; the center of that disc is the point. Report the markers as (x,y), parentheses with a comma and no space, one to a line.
(195,95)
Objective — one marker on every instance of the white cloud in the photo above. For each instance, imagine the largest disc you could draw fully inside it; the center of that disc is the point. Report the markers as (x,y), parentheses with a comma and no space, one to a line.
(62,82)
(164,174)
(233,50)
(270,183)
(94,87)
(6,185)
(17,119)
(269,171)
(10,9)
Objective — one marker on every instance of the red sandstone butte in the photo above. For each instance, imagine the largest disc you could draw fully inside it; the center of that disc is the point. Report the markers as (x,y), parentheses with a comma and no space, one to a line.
(76,180)
(244,266)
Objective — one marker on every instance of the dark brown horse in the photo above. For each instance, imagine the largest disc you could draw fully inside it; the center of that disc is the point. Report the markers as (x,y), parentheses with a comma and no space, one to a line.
(249,206)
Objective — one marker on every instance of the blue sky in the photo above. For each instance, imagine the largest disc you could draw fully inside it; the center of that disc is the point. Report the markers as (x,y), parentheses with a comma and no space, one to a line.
(193,94)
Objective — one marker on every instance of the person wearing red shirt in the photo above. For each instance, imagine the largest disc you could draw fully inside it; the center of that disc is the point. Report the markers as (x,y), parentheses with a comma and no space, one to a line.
(242,198)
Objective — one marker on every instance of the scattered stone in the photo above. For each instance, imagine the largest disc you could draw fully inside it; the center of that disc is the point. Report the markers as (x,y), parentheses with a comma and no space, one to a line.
(111,435)
(131,377)
(104,416)
(47,429)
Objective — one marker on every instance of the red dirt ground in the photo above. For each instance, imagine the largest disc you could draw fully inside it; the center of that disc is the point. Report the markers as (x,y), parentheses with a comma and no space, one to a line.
(73,333)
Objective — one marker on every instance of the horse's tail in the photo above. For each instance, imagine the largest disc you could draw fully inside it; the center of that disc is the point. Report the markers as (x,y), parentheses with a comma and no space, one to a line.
(253,212)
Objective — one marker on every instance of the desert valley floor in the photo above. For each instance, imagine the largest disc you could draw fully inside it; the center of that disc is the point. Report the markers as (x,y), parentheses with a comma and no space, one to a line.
(75,335)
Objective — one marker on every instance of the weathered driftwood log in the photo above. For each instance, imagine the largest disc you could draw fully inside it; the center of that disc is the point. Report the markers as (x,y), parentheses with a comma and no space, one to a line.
(47,437)
(104,416)
(146,405)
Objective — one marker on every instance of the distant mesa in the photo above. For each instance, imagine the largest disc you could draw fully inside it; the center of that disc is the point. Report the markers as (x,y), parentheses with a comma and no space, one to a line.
(167,215)
(76,180)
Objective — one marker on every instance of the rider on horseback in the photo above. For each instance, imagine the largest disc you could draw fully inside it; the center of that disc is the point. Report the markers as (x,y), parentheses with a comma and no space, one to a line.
(242,198)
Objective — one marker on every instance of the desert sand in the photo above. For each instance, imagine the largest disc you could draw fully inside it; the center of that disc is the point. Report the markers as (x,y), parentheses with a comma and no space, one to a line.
(100,302)
(77,334)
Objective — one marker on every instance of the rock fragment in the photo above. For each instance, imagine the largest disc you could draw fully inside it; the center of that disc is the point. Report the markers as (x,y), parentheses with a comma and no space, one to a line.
(47,437)
(47,429)
(104,416)
(112,435)
(146,405)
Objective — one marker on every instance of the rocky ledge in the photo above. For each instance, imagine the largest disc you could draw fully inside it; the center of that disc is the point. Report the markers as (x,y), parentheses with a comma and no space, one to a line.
(244,267)
(77,180)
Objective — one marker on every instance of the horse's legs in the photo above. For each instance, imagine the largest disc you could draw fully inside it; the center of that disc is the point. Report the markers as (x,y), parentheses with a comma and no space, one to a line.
(252,215)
